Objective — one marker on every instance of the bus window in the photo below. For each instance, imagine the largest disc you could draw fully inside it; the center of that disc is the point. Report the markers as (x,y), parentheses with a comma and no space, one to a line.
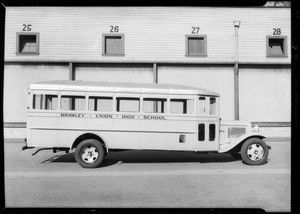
(154,105)
(45,102)
(201,132)
(201,105)
(181,106)
(128,104)
(212,132)
(100,103)
(212,106)
(74,103)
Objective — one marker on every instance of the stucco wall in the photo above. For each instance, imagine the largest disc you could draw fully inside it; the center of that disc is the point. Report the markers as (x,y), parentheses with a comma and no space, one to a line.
(214,78)
(265,93)
(115,73)
(16,81)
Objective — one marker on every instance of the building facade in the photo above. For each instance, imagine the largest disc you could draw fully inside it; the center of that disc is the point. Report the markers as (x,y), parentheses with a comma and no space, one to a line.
(243,53)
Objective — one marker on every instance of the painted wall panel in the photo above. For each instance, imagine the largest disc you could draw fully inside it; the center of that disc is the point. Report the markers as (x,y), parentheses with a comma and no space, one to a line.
(214,78)
(265,94)
(116,73)
(16,81)
(151,33)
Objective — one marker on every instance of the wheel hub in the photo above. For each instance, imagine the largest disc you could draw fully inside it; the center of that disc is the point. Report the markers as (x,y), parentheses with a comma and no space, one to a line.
(255,152)
(89,154)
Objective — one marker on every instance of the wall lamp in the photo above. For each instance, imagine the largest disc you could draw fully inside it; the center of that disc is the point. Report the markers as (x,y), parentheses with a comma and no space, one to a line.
(236,23)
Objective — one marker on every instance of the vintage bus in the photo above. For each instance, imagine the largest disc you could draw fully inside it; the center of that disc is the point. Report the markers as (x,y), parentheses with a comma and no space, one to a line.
(95,118)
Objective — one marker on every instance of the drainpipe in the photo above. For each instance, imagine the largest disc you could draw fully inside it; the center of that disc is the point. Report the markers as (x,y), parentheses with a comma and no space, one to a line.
(155,75)
(71,77)
(236,72)
(71,71)
(155,80)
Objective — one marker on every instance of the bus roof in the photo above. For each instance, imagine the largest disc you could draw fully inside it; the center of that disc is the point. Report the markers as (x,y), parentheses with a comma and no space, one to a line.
(67,85)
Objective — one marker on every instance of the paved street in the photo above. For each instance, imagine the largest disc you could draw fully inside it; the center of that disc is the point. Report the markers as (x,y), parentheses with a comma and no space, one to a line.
(146,179)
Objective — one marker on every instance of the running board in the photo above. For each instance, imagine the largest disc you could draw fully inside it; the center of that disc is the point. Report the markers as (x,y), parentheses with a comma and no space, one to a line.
(55,149)
(25,147)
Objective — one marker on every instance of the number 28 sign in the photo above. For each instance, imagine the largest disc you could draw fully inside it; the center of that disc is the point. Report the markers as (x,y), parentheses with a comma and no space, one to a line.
(276,31)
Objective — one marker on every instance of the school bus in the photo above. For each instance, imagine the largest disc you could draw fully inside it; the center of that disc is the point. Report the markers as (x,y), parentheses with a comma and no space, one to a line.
(95,118)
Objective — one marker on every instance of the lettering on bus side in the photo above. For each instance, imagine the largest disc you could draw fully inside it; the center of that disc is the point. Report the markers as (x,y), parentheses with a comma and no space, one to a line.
(125,116)
(104,116)
(148,117)
(71,115)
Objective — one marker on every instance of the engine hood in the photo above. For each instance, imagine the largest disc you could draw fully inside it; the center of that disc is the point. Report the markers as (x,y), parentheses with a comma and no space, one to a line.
(235,123)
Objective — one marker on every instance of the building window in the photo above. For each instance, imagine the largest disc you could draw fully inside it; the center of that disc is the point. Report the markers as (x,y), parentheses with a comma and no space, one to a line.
(196,45)
(113,44)
(27,43)
(276,46)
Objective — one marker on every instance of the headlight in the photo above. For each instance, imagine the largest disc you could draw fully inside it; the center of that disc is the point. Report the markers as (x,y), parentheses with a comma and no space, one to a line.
(255,128)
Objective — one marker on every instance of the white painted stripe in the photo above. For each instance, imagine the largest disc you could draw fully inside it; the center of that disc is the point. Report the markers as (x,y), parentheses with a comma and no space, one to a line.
(97,173)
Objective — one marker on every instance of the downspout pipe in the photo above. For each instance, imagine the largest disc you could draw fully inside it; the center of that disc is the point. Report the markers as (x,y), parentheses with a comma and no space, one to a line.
(71,71)
(236,71)
(155,74)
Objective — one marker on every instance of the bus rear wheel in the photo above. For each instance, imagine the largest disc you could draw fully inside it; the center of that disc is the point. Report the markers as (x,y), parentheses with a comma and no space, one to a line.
(254,152)
(89,153)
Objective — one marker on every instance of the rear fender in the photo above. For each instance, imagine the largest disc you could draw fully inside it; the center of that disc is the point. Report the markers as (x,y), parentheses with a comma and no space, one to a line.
(227,147)
(90,136)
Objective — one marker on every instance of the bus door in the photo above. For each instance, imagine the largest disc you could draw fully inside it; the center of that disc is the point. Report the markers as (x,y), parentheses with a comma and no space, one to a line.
(126,121)
(207,124)
(153,125)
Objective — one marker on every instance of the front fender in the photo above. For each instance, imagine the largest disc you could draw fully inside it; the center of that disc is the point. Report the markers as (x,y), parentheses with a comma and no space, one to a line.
(228,146)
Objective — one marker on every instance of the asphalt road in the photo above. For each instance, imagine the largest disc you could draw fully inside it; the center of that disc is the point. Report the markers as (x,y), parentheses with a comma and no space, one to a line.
(147,179)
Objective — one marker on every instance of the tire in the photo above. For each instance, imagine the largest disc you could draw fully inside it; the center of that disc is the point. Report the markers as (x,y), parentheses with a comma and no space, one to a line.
(254,152)
(89,153)
(236,155)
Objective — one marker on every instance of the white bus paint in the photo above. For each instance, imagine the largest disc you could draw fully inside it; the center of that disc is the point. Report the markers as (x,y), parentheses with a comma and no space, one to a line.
(132,116)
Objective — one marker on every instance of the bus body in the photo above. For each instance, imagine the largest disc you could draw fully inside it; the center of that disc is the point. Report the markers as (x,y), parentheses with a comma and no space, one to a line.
(96,117)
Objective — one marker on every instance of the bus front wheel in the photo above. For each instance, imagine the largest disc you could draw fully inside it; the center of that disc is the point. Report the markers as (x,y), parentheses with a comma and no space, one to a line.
(89,153)
(254,152)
